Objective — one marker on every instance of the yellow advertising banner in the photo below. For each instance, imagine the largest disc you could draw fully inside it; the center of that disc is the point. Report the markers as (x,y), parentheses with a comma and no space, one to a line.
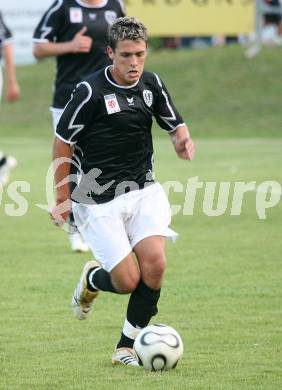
(194,17)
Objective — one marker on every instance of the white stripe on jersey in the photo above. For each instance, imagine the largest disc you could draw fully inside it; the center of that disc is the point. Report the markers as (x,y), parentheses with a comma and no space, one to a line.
(71,126)
(166,119)
(63,139)
(45,29)
(122,6)
(79,149)
(107,69)
(76,159)
(76,156)
(37,40)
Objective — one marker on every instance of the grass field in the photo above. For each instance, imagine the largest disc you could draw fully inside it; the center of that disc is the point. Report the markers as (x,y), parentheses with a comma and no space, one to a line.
(222,290)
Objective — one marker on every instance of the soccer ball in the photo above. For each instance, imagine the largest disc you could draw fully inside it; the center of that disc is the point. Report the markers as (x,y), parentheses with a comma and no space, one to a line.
(158,347)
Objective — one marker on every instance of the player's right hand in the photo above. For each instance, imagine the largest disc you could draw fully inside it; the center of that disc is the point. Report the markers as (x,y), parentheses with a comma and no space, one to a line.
(13,92)
(60,212)
(81,43)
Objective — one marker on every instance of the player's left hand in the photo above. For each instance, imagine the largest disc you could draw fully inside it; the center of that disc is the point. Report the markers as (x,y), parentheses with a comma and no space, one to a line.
(185,148)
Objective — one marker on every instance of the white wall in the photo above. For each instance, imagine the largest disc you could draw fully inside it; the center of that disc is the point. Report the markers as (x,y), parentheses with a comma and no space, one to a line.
(22,16)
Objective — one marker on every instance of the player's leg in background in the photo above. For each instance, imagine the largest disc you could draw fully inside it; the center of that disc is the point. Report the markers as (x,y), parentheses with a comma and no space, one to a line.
(7,163)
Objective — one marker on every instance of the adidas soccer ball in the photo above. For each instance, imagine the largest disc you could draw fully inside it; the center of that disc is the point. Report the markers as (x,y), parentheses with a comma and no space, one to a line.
(158,347)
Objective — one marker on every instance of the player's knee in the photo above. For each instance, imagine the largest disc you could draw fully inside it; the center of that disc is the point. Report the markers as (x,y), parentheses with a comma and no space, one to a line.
(127,283)
(159,267)
(156,267)
(130,285)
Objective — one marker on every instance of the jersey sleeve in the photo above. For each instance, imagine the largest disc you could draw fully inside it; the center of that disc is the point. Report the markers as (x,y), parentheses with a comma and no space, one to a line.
(122,8)
(76,114)
(5,33)
(50,23)
(167,116)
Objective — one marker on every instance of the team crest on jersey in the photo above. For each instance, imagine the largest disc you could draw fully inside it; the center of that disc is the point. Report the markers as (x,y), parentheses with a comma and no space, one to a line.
(110,17)
(111,102)
(148,97)
(75,15)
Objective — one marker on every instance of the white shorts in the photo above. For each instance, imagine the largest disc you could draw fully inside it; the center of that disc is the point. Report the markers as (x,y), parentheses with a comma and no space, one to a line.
(113,229)
(56,115)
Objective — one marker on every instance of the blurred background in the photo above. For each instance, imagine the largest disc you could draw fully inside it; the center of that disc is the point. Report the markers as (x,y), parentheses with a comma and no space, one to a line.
(222,63)
(171,24)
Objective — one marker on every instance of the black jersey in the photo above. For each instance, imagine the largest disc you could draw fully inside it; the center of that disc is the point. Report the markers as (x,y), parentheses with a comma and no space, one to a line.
(110,126)
(60,23)
(5,34)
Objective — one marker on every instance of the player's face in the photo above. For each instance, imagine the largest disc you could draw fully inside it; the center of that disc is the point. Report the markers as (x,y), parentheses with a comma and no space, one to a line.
(128,61)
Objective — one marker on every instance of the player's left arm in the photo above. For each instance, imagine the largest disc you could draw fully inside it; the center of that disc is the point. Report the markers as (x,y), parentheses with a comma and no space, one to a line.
(171,121)
(183,143)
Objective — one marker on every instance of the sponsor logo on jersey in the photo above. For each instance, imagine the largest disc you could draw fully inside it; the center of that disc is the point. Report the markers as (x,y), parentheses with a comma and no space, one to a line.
(130,101)
(111,102)
(148,97)
(75,15)
(110,17)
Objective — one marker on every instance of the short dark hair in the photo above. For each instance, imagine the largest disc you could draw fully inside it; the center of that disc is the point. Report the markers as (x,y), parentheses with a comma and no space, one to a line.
(127,28)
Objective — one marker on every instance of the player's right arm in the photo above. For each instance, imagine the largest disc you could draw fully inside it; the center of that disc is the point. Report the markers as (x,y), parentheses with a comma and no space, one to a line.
(13,89)
(72,124)
(62,153)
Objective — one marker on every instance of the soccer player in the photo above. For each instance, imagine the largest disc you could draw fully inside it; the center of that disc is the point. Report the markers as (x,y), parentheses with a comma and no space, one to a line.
(75,32)
(122,213)
(7,163)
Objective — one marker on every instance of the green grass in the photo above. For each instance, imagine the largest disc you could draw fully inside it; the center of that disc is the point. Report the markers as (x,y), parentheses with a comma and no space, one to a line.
(222,289)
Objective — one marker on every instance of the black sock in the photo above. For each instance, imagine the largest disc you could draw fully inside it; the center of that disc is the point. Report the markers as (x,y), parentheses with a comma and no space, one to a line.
(101,279)
(3,161)
(125,342)
(142,306)
(71,219)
